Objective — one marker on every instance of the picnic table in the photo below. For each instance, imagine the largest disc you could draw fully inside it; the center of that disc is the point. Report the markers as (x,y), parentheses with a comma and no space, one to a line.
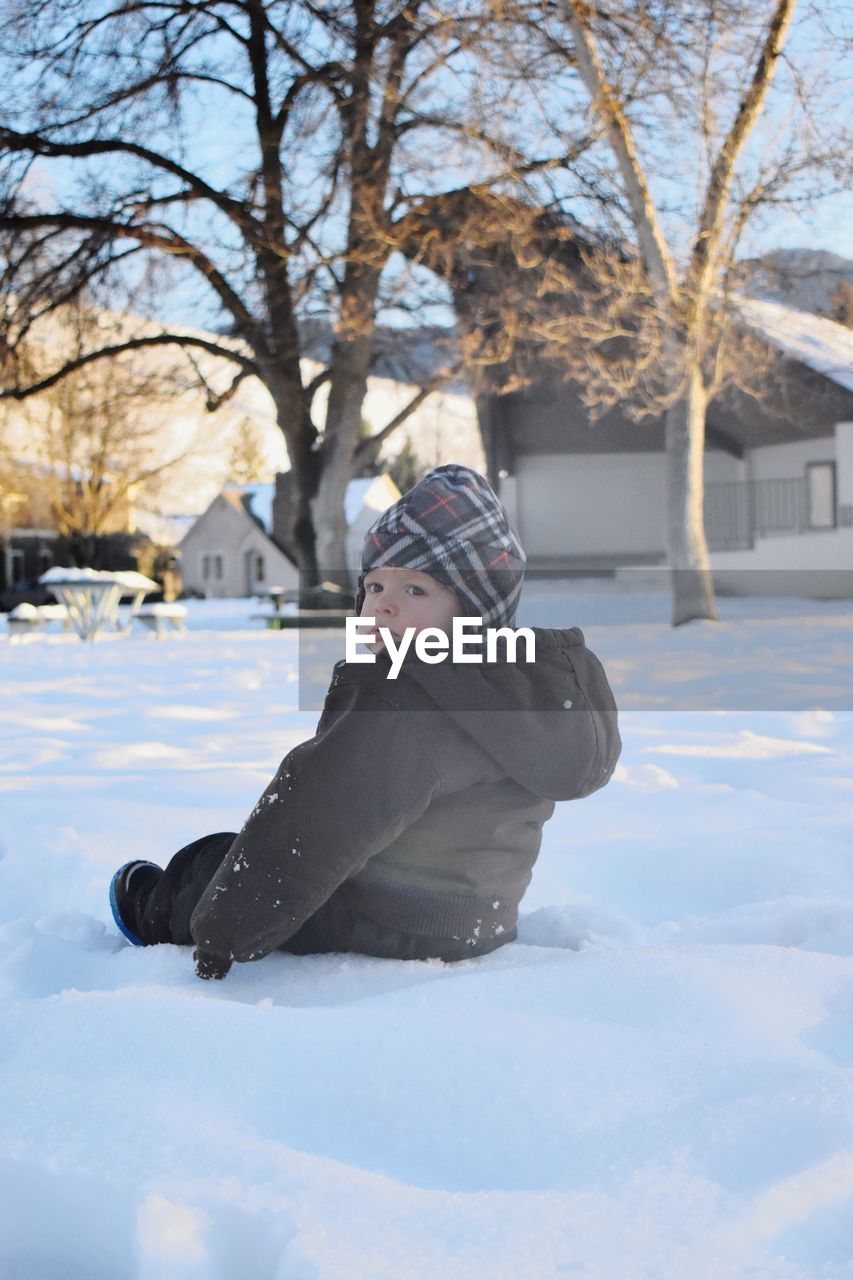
(92,597)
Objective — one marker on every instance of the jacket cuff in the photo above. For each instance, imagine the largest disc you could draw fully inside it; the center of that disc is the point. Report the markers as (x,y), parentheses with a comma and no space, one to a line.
(207,965)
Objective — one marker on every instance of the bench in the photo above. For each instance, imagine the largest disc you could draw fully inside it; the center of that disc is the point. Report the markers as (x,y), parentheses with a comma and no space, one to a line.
(28,618)
(161,618)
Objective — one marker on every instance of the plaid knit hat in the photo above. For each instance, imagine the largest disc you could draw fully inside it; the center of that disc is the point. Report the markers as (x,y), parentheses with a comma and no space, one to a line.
(452,526)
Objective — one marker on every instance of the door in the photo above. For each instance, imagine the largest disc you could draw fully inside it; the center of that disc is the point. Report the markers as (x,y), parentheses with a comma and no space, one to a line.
(820,495)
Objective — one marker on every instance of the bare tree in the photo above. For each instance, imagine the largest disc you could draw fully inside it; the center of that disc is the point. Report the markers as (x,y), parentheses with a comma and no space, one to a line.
(92,439)
(270,149)
(686,86)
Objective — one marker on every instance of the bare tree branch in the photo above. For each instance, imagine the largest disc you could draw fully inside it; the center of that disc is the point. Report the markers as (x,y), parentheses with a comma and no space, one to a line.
(37,145)
(369,447)
(109,352)
(653,245)
(152,237)
(703,258)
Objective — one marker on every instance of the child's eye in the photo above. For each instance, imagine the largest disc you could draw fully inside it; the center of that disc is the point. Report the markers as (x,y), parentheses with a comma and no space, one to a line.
(416,590)
(373,588)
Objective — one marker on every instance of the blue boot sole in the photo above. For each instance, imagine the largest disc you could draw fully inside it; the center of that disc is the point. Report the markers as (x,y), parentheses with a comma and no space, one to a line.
(128,933)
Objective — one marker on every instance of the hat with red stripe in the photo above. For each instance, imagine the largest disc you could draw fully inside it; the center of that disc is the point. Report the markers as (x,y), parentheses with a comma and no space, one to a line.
(452,526)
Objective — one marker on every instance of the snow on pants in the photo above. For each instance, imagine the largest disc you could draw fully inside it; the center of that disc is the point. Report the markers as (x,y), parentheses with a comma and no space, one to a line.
(163,915)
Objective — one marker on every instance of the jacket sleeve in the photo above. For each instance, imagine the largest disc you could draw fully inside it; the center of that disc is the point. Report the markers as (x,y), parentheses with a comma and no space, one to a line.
(330,807)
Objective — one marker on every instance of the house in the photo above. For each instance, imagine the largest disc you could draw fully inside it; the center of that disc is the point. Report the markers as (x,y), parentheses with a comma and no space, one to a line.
(591,495)
(778,470)
(44,507)
(230,550)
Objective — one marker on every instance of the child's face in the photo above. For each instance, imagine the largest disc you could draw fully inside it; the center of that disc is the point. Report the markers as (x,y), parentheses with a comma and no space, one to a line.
(401,598)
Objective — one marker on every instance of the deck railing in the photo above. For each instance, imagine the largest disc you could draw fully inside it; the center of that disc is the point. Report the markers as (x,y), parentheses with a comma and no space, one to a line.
(739,511)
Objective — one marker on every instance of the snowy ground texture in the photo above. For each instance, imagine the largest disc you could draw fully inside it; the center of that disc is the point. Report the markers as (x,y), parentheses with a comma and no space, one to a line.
(653,1083)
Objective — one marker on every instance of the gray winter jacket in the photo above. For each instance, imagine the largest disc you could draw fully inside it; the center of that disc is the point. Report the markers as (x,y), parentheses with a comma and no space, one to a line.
(424,796)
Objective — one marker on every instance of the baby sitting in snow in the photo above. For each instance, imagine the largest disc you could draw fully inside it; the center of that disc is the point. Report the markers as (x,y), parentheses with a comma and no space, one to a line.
(408,826)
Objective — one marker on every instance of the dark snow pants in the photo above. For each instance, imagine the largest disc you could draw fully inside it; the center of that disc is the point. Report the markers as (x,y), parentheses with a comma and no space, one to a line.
(163,914)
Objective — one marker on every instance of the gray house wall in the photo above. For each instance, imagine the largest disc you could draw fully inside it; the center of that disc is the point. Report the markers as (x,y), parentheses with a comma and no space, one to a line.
(220,555)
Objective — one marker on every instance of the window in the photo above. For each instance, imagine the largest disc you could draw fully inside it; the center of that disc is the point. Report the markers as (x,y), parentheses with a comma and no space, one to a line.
(260,569)
(820,494)
(16,566)
(213,567)
(45,559)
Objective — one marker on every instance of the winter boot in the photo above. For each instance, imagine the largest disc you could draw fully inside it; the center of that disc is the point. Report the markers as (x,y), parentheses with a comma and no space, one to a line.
(129,885)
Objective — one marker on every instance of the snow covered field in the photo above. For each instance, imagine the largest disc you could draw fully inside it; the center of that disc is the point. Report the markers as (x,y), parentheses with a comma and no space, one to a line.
(653,1083)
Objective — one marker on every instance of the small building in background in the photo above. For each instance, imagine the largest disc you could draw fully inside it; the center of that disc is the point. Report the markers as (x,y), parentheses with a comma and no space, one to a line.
(232,550)
(228,551)
(51,514)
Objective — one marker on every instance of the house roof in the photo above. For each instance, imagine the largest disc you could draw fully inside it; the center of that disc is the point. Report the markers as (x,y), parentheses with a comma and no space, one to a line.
(370,494)
(365,498)
(408,355)
(812,391)
(821,344)
(239,498)
(255,499)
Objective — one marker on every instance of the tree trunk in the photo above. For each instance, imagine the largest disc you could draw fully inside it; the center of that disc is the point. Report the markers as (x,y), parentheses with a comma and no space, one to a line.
(692,585)
(84,549)
(304,467)
(351,363)
(294,524)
